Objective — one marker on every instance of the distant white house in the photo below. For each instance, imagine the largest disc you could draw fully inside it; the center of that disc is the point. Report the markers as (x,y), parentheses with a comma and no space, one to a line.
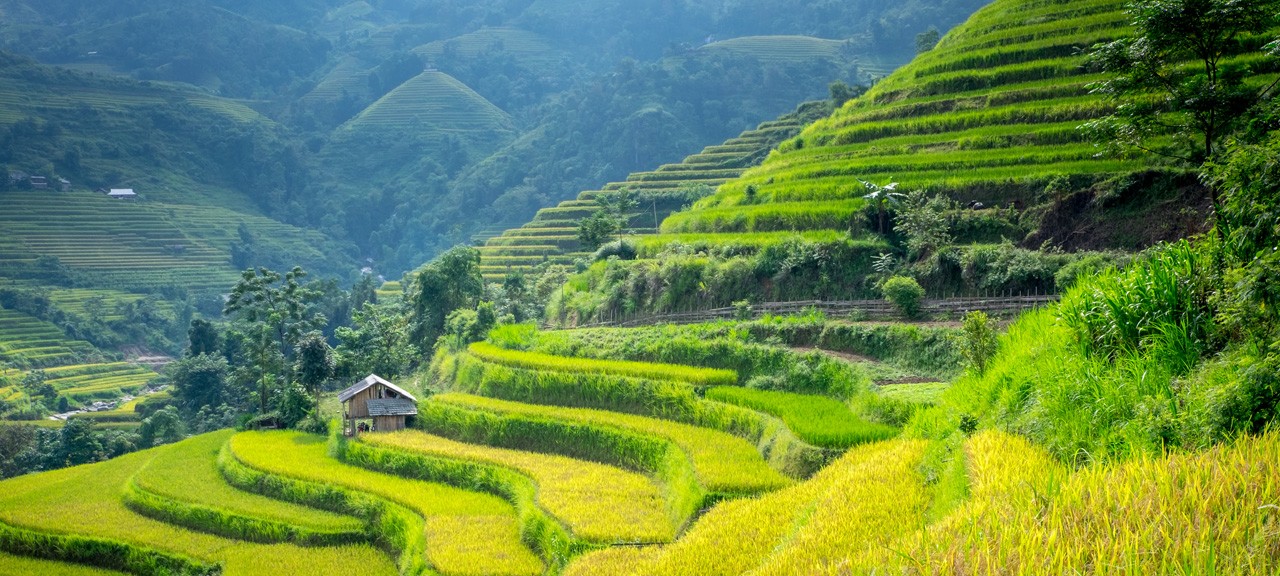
(122,194)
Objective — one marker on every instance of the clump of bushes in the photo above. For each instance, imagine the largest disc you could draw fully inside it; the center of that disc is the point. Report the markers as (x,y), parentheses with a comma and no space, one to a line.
(905,294)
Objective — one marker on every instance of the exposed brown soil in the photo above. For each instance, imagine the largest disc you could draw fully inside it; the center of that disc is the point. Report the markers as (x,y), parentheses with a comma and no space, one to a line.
(1150,209)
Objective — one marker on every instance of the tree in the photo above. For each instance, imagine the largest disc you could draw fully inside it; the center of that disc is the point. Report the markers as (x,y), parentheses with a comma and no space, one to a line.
(927,40)
(36,385)
(78,445)
(315,363)
(162,427)
(203,337)
(905,294)
(978,341)
(842,92)
(596,229)
(1174,76)
(449,282)
(275,312)
(466,326)
(378,343)
(199,381)
(880,196)
(923,221)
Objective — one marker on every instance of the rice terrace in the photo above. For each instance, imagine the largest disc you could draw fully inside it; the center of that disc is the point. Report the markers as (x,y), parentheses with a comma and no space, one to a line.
(686,288)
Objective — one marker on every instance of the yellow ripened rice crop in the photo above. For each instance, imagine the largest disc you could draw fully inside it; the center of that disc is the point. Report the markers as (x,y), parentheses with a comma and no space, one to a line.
(722,463)
(868,496)
(1213,512)
(85,500)
(467,532)
(597,502)
(616,561)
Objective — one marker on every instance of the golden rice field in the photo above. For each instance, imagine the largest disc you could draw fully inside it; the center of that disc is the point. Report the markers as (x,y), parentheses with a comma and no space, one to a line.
(721,462)
(467,532)
(869,511)
(597,502)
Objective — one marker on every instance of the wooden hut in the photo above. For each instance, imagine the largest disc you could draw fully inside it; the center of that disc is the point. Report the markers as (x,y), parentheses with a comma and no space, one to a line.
(376,404)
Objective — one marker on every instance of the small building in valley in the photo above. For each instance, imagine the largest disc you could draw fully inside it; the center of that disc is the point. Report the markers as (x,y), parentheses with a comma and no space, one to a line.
(39,182)
(375,405)
(122,194)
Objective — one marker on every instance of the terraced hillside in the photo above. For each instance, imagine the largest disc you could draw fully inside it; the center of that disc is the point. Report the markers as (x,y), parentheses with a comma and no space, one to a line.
(140,245)
(431,117)
(991,114)
(75,368)
(436,102)
(196,162)
(552,234)
(542,463)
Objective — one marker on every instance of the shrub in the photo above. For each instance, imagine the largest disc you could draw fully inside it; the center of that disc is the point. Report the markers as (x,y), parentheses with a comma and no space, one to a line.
(905,294)
(621,249)
(978,343)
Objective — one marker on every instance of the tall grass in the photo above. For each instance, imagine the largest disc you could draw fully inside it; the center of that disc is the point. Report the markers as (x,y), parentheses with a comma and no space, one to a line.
(1205,513)
(1161,301)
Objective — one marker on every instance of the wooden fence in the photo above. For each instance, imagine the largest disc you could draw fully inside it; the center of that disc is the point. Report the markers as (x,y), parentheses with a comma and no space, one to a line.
(941,308)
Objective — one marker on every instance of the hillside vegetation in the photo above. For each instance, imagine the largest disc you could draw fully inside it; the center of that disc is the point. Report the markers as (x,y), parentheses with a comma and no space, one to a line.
(983,133)
(552,235)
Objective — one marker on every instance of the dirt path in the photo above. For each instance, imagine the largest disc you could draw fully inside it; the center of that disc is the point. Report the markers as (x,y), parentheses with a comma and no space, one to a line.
(860,359)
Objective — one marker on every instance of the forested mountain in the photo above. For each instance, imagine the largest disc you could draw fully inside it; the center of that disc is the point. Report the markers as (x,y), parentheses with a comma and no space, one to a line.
(552,97)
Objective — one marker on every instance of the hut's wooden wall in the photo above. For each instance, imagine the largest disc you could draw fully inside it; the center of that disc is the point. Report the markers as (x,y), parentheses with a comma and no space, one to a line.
(388,423)
(357,406)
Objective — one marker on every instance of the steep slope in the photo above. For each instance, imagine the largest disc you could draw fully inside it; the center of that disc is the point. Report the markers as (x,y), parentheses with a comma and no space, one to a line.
(431,118)
(991,114)
(208,173)
(552,234)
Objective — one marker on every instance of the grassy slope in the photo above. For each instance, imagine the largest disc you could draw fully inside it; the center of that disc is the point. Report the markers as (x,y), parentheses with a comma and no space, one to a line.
(85,500)
(172,146)
(467,532)
(989,114)
(552,234)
